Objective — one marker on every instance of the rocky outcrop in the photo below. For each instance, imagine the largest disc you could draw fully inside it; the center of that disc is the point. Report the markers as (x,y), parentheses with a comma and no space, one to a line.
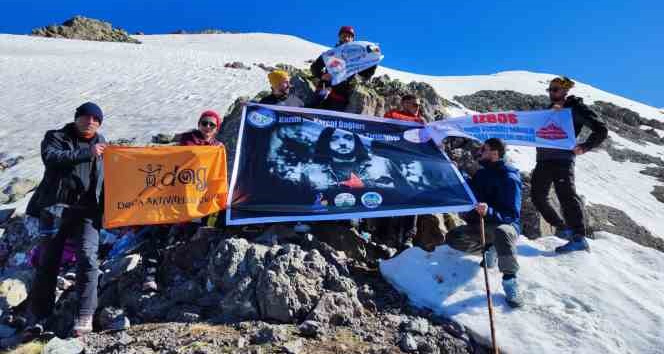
(85,28)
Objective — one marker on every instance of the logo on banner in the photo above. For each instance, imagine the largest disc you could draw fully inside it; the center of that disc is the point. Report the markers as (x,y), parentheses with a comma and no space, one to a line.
(353,52)
(372,200)
(551,131)
(417,136)
(320,203)
(185,176)
(344,200)
(262,118)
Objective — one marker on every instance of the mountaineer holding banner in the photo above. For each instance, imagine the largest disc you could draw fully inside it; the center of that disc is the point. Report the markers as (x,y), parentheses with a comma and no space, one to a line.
(333,66)
(68,202)
(206,134)
(556,167)
(280,85)
(497,187)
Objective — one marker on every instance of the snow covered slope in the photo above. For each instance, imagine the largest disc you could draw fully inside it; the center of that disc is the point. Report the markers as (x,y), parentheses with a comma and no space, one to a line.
(607,301)
(163,84)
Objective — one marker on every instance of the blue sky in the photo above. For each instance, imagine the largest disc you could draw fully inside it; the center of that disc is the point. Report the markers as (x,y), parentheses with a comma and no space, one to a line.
(614,45)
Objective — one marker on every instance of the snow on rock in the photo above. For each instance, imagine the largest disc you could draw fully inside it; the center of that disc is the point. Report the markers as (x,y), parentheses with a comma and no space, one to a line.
(606,301)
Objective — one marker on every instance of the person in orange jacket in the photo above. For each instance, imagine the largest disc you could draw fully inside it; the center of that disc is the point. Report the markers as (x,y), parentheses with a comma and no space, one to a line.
(410,110)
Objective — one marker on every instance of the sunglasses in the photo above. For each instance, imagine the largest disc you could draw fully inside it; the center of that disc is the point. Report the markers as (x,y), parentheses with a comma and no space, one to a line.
(554,89)
(208,124)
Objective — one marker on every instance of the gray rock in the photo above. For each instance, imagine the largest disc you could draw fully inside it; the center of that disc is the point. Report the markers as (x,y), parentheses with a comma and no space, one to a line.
(237,65)
(310,328)
(408,343)
(18,188)
(233,268)
(113,319)
(294,347)
(7,163)
(63,346)
(291,285)
(270,334)
(86,29)
(337,309)
(417,326)
(163,138)
(118,267)
(615,221)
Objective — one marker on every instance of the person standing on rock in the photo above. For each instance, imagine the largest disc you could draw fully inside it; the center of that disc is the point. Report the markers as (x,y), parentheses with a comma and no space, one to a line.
(69,203)
(336,97)
(410,110)
(206,133)
(497,187)
(406,226)
(280,85)
(557,167)
(209,123)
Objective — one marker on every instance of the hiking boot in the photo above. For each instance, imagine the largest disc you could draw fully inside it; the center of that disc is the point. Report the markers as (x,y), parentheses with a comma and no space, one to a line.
(564,232)
(491,257)
(579,243)
(82,326)
(512,293)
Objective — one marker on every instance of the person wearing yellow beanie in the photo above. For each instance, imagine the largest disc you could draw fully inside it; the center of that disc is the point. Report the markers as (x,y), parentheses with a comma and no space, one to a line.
(280,84)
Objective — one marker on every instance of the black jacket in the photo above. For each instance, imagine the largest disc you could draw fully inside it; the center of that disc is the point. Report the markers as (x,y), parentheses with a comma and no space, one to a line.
(499,186)
(289,101)
(340,92)
(582,116)
(72,175)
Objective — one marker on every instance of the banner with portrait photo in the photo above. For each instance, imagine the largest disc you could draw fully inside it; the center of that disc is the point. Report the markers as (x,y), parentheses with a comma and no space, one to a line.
(297,164)
(163,185)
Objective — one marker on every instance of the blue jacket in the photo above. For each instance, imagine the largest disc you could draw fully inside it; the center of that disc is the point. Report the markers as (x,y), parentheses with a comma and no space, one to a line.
(499,185)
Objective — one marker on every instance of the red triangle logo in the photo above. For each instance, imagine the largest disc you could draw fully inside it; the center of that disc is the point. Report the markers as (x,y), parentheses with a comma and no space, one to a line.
(353,182)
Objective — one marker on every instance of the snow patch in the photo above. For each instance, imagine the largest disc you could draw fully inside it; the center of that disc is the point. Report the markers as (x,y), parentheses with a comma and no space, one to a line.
(606,301)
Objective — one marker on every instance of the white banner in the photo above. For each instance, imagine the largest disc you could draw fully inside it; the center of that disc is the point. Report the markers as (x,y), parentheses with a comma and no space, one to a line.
(349,59)
(548,129)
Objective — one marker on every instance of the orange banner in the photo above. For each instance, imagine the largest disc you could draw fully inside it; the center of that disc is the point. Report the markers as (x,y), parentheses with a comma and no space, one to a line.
(162,185)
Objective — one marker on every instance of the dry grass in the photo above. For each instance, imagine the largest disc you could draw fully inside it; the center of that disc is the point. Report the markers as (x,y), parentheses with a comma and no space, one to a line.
(202,329)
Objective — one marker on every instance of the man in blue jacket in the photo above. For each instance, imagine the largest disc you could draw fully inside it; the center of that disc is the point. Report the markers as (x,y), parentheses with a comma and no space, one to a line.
(497,187)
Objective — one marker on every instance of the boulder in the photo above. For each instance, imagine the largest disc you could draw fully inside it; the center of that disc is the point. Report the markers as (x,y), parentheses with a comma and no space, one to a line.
(85,28)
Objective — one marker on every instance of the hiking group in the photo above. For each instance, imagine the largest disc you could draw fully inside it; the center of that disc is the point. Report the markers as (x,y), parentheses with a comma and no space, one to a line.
(69,199)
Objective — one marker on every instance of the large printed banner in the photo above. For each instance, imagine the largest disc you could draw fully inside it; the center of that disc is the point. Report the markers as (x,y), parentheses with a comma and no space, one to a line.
(160,185)
(349,59)
(296,164)
(548,129)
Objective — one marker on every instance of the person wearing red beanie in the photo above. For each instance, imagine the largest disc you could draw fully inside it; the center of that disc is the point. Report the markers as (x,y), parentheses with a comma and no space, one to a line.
(206,134)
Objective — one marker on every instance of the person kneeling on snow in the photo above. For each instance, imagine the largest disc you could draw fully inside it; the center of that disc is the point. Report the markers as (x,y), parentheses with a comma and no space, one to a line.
(280,84)
(497,187)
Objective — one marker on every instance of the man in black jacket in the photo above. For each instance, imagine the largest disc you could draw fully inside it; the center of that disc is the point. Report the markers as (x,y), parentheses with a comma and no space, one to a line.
(497,187)
(69,204)
(336,97)
(557,167)
(280,86)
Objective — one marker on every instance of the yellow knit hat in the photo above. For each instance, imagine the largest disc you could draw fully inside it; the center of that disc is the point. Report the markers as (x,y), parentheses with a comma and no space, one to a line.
(564,82)
(277,77)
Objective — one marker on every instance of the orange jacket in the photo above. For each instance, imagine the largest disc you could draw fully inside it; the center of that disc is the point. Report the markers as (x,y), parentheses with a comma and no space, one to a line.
(402,115)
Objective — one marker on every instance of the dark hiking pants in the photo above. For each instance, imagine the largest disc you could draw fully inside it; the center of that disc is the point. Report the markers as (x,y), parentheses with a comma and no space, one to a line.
(561,175)
(466,238)
(86,236)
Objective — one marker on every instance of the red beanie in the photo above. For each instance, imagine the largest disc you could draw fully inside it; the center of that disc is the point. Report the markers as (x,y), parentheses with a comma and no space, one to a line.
(213,114)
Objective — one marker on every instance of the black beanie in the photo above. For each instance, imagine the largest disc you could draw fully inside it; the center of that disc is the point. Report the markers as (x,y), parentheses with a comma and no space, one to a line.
(89,109)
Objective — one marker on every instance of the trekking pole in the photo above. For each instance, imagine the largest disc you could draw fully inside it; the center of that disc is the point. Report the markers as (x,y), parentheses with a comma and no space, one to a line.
(488,289)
